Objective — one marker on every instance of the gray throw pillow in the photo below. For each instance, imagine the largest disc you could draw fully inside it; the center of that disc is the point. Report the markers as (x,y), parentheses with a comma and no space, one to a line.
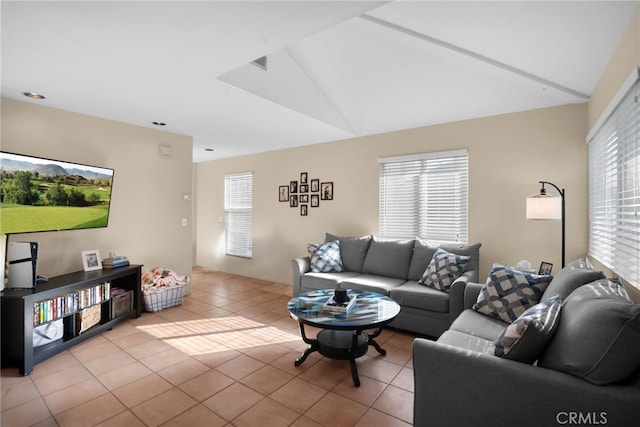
(569,279)
(525,339)
(389,258)
(353,250)
(509,292)
(598,336)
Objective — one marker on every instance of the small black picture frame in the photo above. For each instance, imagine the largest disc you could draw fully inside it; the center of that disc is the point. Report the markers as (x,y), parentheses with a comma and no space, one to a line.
(293,187)
(303,210)
(315,185)
(545,268)
(315,200)
(303,178)
(326,191)
(283,193)
(293,201)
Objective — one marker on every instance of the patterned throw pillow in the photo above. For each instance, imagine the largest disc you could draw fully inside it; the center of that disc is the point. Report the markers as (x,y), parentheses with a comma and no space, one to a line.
(325,257)
(509,292)
(443,270)
(525,339)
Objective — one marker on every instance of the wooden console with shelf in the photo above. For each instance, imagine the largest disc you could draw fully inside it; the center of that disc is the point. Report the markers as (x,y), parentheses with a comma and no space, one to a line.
(21,312)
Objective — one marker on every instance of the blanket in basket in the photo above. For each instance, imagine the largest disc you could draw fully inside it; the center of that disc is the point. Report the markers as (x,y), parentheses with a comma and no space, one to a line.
(162,288)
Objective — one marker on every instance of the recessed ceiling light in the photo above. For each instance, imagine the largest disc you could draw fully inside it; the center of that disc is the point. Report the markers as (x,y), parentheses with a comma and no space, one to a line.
(33,95)
(208,149)
(159,123)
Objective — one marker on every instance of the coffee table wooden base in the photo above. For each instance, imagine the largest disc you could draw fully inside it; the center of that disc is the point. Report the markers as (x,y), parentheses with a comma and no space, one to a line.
(341,345)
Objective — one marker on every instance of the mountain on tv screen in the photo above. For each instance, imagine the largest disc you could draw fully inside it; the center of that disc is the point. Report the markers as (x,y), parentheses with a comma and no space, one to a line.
(39,194)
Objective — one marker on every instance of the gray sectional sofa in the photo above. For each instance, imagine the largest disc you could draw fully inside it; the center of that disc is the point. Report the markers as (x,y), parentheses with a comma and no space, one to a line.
(393,268)
(585,371)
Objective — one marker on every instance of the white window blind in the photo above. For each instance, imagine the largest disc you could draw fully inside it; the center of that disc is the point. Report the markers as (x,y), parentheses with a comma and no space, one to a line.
(425,196)
(614,188)
(238,214)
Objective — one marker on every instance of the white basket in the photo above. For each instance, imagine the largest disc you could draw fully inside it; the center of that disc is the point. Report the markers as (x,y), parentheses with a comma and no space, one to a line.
(168,297)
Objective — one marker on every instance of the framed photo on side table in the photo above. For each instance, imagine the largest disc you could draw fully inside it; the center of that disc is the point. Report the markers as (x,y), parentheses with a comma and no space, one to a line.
(91,260)
(545,268)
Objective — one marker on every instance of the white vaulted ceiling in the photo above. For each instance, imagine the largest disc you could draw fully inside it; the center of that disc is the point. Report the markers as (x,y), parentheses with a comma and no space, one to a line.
(335,69)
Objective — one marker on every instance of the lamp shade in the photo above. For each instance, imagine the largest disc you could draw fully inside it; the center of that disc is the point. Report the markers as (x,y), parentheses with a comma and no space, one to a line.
(542,206)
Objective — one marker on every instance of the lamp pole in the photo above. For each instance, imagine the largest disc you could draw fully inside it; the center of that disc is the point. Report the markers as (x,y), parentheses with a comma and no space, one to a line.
(561,191)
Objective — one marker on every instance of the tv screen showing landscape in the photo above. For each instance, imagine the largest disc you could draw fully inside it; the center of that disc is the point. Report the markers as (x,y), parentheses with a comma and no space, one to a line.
(39,194)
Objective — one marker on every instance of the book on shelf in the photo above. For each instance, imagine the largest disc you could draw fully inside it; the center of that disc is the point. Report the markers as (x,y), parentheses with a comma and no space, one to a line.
(332,306)
(62,305)
(115,262)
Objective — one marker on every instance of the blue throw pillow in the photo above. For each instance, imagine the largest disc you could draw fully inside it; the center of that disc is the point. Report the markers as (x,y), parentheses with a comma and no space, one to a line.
(443,270)
(525,339)
(509,292)
(325,257)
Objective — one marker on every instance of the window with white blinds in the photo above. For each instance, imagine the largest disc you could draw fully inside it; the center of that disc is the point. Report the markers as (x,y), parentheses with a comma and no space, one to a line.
(238,214)
(425,196)
(614,187)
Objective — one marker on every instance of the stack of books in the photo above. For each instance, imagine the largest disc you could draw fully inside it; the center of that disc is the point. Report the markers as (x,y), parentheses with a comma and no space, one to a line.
(331,306)
(118,261)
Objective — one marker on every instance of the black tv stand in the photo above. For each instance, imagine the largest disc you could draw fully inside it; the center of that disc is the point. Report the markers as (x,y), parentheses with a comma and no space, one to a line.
(18,318)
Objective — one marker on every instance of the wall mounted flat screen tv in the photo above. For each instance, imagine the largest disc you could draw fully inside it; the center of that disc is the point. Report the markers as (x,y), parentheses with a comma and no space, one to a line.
(38,194)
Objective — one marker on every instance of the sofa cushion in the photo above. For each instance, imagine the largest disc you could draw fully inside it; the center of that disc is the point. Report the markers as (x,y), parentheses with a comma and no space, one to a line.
(423,253)
(473,323)
(420,259)
(598,336)
(525,339)
(569,279)
(313,281)
(389,258)
(580,263)
(352,249)
(413,294)
(325,257)
(443,270)
(509,292)
(470,250)
(372,283)
(465,341)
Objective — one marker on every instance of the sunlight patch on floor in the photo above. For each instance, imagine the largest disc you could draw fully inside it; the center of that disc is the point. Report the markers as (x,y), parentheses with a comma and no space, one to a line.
(203,336)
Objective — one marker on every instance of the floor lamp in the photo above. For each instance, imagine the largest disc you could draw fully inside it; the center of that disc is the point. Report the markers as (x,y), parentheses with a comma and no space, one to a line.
(547,207)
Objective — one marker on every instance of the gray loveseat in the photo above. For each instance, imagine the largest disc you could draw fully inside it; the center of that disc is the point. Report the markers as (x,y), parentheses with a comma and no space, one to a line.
(393,268)
(586,373)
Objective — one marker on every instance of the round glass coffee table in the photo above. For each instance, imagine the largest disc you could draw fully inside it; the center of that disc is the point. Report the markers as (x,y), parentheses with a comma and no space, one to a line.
(343,335)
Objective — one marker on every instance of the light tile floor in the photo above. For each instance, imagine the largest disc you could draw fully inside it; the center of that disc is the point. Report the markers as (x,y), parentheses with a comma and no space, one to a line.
(222,358)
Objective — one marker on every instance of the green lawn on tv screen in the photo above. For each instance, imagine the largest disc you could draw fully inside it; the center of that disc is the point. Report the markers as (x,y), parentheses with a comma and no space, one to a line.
(20,218)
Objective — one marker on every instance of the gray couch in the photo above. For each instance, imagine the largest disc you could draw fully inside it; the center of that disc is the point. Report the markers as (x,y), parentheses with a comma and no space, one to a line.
(393,268)
(586,374)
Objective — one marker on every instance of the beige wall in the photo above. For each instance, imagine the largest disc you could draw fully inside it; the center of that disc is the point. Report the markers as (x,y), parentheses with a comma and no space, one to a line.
(508,155)
(624,60)
(147,206)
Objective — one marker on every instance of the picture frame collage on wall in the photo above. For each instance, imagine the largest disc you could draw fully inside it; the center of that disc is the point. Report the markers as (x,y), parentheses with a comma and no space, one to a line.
(305,193)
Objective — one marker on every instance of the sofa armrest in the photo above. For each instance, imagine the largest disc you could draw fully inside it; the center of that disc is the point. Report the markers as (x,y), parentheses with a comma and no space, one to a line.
(456,295)
(457,387)
(299,266)
(471,292)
